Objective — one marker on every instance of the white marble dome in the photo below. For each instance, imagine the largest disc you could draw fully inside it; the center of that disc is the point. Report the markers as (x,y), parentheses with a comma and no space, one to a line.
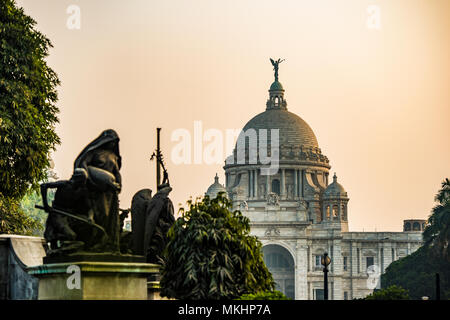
(215,188)
(297,141)
(294,131)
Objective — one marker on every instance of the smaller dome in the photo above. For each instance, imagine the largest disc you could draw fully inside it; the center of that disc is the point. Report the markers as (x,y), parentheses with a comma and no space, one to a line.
(335,189)
(276,86)
(215,188)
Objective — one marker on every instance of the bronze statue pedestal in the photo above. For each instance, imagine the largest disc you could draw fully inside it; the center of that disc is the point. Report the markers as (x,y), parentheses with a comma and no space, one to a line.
(93,280)
(153,287)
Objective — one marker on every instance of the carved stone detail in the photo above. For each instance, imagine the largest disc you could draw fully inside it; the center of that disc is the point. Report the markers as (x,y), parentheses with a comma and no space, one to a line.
(272,231)
(273,199)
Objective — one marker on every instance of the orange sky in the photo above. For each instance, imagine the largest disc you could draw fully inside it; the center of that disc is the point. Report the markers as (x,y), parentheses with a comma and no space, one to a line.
(377,100)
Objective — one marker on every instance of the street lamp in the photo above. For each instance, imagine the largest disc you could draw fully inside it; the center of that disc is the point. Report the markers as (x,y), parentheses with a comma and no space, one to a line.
(438,287)
(325,261)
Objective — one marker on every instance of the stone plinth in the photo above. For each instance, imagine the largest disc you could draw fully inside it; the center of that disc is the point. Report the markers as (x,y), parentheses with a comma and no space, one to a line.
(153,290)
(90,280)
(17,254)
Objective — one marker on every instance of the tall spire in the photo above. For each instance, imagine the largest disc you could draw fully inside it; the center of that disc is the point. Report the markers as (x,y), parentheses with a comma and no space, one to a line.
(276,91)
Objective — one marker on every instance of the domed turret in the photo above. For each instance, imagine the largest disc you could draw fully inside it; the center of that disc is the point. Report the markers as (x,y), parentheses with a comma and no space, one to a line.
(335,190)
(215,188)
(276,86)
(335,201)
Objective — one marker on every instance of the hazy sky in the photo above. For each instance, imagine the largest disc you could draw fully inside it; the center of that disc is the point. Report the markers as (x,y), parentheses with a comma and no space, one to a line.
(378,100)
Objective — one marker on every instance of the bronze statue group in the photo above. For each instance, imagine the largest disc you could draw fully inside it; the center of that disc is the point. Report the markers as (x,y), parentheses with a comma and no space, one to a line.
(85,216)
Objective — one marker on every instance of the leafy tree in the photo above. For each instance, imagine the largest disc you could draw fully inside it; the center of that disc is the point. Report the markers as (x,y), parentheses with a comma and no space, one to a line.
(437,232)
(13,220)
(211,254)
(27,204)
(28,113)
(266,295)
(390,293)
(417,272)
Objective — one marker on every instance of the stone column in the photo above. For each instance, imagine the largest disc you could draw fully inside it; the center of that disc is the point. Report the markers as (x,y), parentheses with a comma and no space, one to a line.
(339,211)
(283,184)
(354,270)
(387,254)
(338,266)
(267,185)
(381,262)
(295,183)
(300,183)
(255,184)
(301,279)
(249,184)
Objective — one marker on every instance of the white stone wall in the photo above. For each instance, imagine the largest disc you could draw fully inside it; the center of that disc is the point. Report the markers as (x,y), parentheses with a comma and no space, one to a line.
(305,240)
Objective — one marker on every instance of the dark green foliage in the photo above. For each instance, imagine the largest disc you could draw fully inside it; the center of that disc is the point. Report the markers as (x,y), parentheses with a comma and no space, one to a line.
(417,272)
(13,220)
(437,232)
(27,114)
(27,103)
(266,295)
(28,203)
(211,254)
(390,293)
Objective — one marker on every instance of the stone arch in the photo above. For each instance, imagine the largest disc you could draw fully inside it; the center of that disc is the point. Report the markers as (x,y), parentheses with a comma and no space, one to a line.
(281,244)
(407,226)
(335,212)
(277,100)
(281,263)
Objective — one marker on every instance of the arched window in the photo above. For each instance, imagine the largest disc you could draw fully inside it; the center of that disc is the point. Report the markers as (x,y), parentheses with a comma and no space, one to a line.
(276,260)
(280,263)
(407,226)
(276,186)
(416,226)
(335,212)
(328,213)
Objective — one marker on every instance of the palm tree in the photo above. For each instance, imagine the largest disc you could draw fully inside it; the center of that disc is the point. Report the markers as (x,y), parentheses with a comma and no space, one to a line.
(437,232)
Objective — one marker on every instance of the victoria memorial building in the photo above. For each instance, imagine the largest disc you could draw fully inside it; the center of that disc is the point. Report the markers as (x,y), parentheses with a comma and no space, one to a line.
(300,212)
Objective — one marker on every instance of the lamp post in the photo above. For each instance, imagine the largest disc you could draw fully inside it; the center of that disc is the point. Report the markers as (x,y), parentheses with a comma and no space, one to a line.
(438,287)
(325,261)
